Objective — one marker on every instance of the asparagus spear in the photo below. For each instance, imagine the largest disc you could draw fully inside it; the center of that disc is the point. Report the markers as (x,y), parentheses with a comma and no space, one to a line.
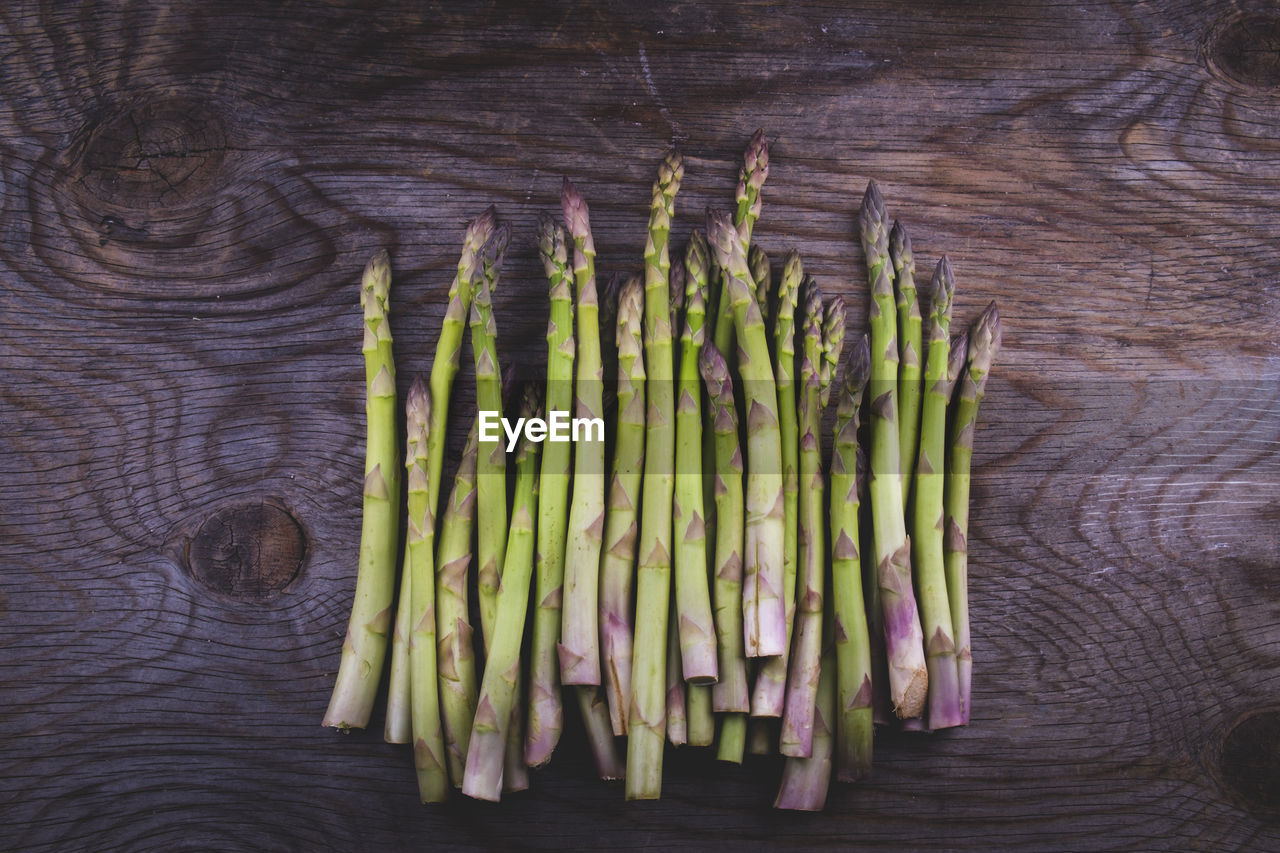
(764,615)
(428,738)
(491,463)
(443,371)
(701,716)
(444,367)
(579,644)
(805,781)
(832,346)
(546,713)
(984,343)
(910,347)
(881,706)
(693,596)
(399,723)
(796,739)
(751,177)
(645,725)
(732,743)
(730,692)
(904,643)
(691,566)
(455,654)
(854,715)
(618,561)
(498,689)
(365,647)
(942,368)
(762,278)
(595,717)
(769,695)
(677,709)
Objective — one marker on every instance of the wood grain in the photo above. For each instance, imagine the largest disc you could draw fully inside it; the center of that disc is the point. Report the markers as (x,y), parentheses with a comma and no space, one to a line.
(189,190)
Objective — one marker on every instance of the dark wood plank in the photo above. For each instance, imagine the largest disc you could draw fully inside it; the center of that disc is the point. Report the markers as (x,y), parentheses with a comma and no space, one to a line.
(187,194)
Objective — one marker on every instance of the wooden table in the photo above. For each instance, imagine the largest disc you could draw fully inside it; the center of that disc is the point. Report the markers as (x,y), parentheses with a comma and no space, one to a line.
(189,193)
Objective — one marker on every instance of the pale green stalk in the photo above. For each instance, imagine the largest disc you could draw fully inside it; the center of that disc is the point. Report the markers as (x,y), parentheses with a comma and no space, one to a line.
(491,464)
(942,369)
(910,348)
(904,641)
(731,746)
(984,343)
(455,652)
(764,614)
(729,694)
(695,622)
(580,624)
(854,713)
(365,646)
(424,701)
(499,689)
(443,370)
(796,737)
(621,530)
(546,711)
(646,726)
(768,696)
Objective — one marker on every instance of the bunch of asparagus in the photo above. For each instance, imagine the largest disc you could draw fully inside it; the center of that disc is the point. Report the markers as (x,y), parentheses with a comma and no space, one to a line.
(707,584)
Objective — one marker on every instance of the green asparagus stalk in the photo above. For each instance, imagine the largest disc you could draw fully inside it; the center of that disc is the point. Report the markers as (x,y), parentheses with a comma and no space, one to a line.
(455,652)
(729,693)
(698,266)
(701,716)
(832,346)
(677,709)
(910,347)
(700,719)
(854,714)
(796,739)
(769,695)
(764,614)
(881,706)
(579,628)
(762,278)
(695,622)
(546,712)
(904,642)
(428,737)
(365,647)
(448,353)
(399,723)
(731,746)
(618,561)
(498,688)
(751,177)
(443,371)
(491,464)
(942,369)
(984,343)
(646,726)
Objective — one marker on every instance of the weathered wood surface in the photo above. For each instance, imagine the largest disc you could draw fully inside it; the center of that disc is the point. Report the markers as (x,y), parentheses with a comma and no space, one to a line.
(188,193)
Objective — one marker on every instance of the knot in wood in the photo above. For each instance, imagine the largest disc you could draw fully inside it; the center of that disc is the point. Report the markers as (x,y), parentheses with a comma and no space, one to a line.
(157,155)
(1246,49)
(248,552)
(1249,762)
